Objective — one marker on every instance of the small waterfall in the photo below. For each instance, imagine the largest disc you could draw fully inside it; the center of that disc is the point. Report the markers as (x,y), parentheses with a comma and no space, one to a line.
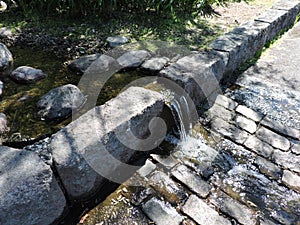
(181,113)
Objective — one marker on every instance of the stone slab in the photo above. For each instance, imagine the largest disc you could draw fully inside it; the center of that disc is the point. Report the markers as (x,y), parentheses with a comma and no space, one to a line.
(29,192)
(258,146)
(98,144)
(192,180)
(161,213)
(273,139)
(292,180)
(268,168)
(287,160)
(249,113)
(203,214)
(233,208)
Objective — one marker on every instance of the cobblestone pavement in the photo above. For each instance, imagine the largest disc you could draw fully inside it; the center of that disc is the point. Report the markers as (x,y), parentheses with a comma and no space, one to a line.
(245,166)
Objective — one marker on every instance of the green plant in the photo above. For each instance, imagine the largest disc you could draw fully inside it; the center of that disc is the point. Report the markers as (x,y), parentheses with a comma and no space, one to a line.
(106,8)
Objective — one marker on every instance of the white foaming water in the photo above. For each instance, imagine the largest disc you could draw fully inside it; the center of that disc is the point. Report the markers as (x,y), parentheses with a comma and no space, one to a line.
(181,113)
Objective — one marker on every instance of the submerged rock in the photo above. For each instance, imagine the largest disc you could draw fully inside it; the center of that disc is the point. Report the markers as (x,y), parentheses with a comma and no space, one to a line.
(116,41)
(133,59)
(29,192)
(59,102)
(6,58)
(81,64)
(3,123)
(27,74)
(5,32)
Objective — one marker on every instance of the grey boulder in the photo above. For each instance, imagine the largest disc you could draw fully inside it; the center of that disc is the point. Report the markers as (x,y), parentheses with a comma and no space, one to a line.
(3,123)
(29,192)
(155,64)
(6,58)
(81,64)
(5,32)
(133,59)
(60,102)
(27,74)
(116,41)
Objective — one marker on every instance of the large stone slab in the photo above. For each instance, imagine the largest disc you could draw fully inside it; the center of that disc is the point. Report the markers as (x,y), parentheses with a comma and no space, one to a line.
(94,146)
(29,192)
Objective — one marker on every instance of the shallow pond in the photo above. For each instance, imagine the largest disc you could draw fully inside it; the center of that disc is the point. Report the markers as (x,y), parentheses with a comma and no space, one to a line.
(19,100)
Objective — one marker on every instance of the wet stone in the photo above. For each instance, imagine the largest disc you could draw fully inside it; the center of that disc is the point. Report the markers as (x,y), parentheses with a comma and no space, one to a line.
(233,208)
(256,191)
(146,169)
(267,222)
(229,130)
(166,161)
(295,147)
(271,101)
(273,139)
(155,64)
(201,157)
(221,112)
(6,57)
(258,146)
(246,124)
(199,211)
(280,128)
(161,213)
(292,180)
(226,102)
(191,180)
(133,59)
(3,123)
(59,102)
(235,153)
(268,168)
(27,74)
(247,112)
(81,64)
(287,160)
(167,188)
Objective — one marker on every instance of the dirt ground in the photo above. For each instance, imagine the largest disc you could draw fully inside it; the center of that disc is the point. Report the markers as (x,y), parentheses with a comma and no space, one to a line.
(237,13)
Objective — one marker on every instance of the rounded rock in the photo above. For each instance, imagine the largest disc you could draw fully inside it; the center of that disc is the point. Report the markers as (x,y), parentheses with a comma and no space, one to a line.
(60,102)
(27,74)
